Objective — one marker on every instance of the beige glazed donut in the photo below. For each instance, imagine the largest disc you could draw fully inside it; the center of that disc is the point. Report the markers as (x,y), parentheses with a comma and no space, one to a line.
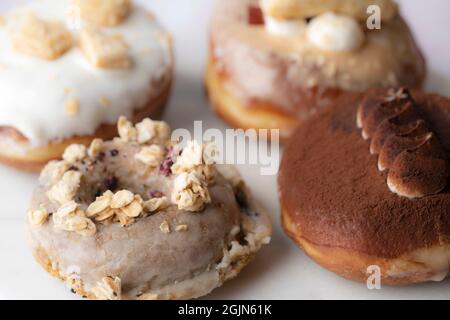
(70,68)
(139,217)
(274,63)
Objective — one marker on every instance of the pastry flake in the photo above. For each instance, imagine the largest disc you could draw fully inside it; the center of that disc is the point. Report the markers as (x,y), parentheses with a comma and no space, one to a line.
(44,39)
(103,13)
(103,50)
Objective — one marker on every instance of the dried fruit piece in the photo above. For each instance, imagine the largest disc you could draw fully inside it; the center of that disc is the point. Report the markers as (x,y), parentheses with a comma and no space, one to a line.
(104,13)
(103,50)
(41,38)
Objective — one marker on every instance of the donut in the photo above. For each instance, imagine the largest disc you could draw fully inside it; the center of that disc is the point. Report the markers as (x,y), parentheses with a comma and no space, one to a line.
(272,64)
(69,69)
(366,184)
(140,217)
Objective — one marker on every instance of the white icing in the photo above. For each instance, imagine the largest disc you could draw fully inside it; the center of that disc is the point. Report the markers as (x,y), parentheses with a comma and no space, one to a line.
(34,91)
(334,32)
(284,28)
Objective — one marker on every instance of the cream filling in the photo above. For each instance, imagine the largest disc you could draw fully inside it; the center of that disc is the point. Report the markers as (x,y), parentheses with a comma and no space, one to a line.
(35,91)
(435,260)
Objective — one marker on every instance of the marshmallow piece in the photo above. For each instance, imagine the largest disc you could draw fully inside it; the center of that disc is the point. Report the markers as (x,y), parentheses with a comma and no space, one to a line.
(103,13)
(332,32)
(42,39)
(284,28)
(103,50)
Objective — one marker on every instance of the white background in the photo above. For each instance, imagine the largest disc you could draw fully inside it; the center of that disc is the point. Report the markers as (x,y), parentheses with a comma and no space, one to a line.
(281,270)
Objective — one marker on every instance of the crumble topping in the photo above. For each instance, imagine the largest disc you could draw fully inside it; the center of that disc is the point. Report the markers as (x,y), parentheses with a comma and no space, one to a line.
(69,217)
(104,13)
(104,50)
(151,155)
(42,39)
(37,217)
(190,191)
(165,227)
(66,189)
(74,153)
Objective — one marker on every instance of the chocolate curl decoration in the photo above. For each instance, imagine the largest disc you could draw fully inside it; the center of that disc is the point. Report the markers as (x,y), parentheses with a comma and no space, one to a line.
(416,162)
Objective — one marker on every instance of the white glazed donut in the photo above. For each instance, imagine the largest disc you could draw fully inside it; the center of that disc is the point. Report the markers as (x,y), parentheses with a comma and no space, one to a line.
(65,86)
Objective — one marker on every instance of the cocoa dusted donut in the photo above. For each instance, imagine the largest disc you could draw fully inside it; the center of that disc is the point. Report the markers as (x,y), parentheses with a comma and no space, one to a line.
(366,183)
(69,69)
(139,217)
(274,63)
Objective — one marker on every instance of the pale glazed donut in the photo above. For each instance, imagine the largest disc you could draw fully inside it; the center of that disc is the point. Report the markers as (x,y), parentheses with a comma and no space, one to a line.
(346,213)
(65,89)
(133,218)
(278,73)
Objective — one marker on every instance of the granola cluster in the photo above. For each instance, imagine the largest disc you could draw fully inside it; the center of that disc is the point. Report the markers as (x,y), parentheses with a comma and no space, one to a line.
(187,173)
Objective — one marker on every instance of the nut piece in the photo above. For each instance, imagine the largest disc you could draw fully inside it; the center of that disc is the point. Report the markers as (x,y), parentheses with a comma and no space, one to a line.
(150,155)
(104,13)
(121,199)
(108,289)
(42,39)
(104,51)
(74,153)
(38,217)
(72,106)
(65,190)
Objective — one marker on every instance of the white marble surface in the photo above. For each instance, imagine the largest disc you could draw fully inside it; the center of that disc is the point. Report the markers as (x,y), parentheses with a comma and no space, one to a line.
(281,270)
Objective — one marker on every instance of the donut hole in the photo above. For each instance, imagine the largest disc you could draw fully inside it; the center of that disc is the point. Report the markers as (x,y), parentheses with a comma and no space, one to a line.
(114,171)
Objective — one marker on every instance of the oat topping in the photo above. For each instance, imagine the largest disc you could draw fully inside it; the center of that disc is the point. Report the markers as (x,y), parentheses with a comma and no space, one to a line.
(134,209)
(72,106)
(95,148)
(66,189)
(181,227)
(41,38)
(105,51)
(110,288)
(190,191)
(165,227)
(156,204)
(104,13)
(152,131)
(126,130)
(100,204)
(150,155)
(74,153)
(191,157)
(38,217)
(121,199)
(70,217)
(54,171)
